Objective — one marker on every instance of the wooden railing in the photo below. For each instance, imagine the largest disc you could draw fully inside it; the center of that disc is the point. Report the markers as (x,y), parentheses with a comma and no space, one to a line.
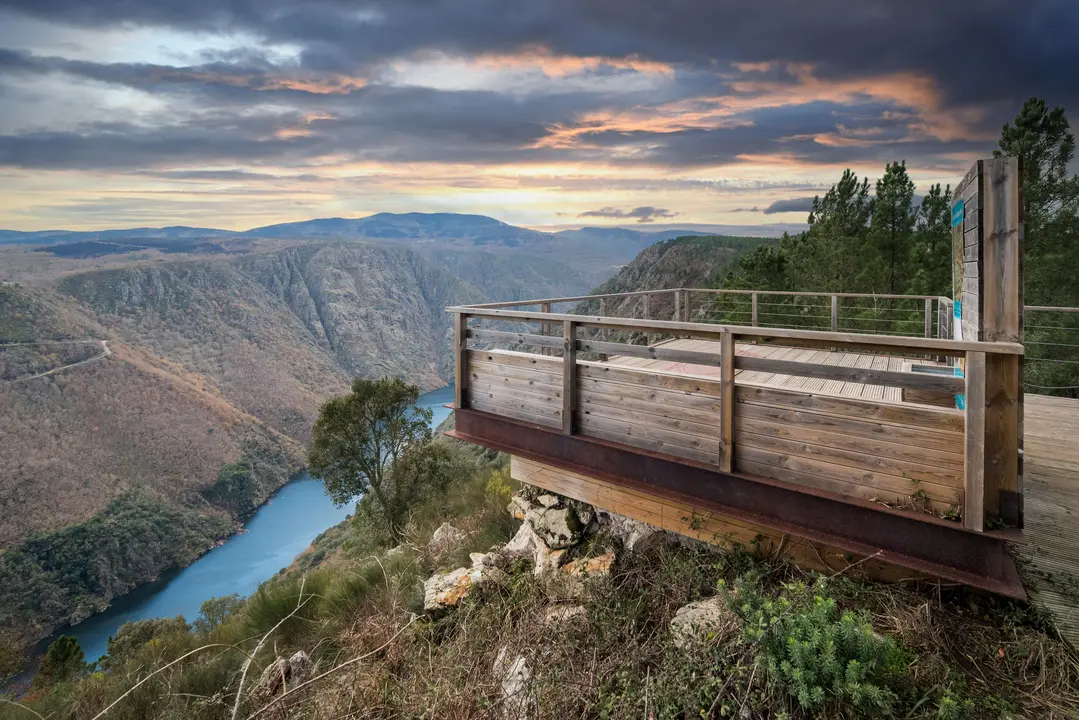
(883,314)
(850,445)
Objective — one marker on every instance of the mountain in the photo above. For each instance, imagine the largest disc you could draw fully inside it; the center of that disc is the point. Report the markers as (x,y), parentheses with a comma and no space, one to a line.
(689,261)
(166,399)
(452,227)
(64,236)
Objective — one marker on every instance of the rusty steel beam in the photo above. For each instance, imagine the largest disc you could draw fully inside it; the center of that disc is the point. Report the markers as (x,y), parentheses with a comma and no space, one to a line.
(924,543)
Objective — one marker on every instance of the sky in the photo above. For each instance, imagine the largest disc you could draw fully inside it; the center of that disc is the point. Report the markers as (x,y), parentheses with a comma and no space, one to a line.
(117,113)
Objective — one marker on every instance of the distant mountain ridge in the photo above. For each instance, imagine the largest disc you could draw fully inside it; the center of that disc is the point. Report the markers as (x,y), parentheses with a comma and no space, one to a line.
(458,227)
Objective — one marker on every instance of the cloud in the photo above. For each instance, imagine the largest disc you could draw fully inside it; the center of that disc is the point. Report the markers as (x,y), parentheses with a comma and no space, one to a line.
(800,205)
(611,105)
(643,214)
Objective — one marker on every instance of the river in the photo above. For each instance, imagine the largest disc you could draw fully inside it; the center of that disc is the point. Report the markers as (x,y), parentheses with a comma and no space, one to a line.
(277,533)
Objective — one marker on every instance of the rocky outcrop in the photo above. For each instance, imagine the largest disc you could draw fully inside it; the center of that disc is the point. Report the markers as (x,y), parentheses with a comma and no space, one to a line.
(445,539)
(443,591)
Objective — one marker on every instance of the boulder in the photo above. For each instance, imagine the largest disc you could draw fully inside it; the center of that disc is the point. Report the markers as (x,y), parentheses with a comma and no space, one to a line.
(633,534)
(519,505)
(548,501)
(528,545)
(515,676)
(442,591)
(445,540)
(445,590)
(558,527)
(575,574)
(282,674)
(702,620)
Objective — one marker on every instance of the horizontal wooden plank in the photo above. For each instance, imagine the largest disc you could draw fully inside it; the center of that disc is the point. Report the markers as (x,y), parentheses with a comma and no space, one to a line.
(661,435)
(946,461)
(759,463)
(928,418)
(705,432)
(970,270)
(970,225)
(656,396)
(540,363)
(938,483)
(500,394)
(525,374)
(934,439)
(592,430)
(970,253)
(622,403)
(536,384)
(647,378)
(706,330)
(650,352)
(500,336)
(525,412)
(866,376)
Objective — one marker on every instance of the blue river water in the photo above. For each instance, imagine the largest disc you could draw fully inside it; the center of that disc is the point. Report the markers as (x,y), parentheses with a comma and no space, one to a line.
(276,534)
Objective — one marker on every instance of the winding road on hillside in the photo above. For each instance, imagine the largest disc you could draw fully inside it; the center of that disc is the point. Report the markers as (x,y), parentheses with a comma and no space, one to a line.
(105,352)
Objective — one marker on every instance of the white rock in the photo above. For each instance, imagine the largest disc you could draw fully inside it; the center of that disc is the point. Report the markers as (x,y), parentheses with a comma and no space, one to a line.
(547,501)
(516,676)
(702,620)
(518,506)
(575,574)
(523,544)
(445,540)
(633,534)
(558,527)
(283,673)
(446,590)
(547,561)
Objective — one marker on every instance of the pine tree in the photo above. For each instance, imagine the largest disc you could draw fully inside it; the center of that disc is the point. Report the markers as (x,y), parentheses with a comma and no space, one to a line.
(931,247)
(888,244)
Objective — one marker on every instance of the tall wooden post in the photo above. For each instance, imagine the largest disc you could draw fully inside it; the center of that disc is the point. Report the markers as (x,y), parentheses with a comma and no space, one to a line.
(929,317)
(569,375)
(646,312)
(726,399)
(835,313)
(460,366)
(987,254)
(546,309)
(677,305)
(754,322)
(1002,321)
(974,484)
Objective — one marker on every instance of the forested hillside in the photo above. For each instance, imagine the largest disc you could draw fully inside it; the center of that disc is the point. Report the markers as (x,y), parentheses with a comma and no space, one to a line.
(201,383)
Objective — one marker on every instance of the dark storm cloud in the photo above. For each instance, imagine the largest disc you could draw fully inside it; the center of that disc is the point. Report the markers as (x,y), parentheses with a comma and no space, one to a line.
(1021,48)
(643,214)
(802,205)
(224,116)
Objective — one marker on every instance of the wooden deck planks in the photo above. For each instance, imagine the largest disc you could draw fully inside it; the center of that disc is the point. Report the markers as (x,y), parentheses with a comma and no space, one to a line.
(1051,504)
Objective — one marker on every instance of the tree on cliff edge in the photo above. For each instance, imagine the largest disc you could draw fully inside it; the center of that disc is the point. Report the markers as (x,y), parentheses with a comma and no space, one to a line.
(359,437)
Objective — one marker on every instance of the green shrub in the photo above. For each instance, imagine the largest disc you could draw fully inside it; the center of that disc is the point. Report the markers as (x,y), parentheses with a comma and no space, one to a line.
(64,659)
(217,610)
(132,636)
(816,653)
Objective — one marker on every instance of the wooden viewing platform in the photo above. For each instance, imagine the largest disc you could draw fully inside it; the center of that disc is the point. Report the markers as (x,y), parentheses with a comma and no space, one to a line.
(825,446)
(835,428)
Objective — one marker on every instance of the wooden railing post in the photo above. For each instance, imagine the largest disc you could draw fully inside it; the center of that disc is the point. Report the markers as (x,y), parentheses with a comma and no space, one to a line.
(974,455)
(677,305)
(569,375)
(835,313)
(546,309)
(646,311)
(685,306)
(460,376)
(726,400)
(754,312)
